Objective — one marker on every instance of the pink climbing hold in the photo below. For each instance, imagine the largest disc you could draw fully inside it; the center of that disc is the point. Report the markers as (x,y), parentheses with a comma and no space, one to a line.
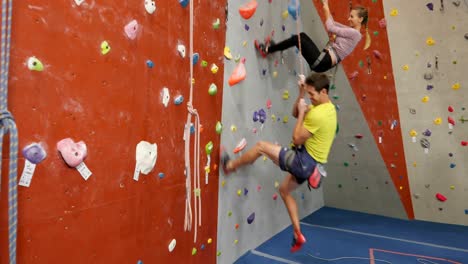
(238,74)
(440,197)
(72,153)
(275,196)
(268,104)
(377,54)
(248,10)
(240,146)
(131,29)
(354,75)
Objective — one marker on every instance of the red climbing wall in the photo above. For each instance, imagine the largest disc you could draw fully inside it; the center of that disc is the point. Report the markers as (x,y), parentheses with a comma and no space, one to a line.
(375,92)
(111,102)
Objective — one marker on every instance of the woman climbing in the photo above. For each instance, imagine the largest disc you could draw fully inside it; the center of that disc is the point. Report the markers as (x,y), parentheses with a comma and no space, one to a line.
(347,37)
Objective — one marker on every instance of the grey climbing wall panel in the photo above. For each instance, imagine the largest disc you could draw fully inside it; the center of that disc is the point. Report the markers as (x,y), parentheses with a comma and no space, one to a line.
(264,81)
(430,91)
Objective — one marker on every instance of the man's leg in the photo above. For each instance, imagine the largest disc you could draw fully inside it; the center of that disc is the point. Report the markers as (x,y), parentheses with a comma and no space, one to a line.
(288,185)
(261,148)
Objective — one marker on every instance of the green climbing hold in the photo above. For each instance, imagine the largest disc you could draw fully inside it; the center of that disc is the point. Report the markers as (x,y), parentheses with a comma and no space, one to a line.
(213,90)
(374,1)
(380,122)
(219,128)
(218,253)
(336,97)
(361,63)
(337,128)
(346,164)
(332,87)
(209,148)
(229,213)
(194,251)
(204,63)
(376,33)
(339,186)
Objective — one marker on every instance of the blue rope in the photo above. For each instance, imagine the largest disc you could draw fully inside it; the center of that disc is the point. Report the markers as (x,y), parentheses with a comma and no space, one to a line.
(8,125)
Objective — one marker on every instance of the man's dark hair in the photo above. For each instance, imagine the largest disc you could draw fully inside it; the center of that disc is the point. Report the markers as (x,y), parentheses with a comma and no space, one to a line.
(319,81)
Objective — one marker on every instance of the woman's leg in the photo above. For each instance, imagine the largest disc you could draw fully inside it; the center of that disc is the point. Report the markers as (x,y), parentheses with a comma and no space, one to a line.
(310,52)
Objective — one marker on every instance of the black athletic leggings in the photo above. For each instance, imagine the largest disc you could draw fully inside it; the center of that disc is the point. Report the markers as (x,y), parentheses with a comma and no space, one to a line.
(310,52)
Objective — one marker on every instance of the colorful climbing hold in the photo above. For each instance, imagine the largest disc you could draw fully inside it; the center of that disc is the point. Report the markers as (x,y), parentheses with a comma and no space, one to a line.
(251,218)
(150,6)
(194,251)
(105,47)
(213,89)
(219,128)
(440,197)
(248,10)
(34,64)
(183,3)
(238,74)
(131,29)
(294,8)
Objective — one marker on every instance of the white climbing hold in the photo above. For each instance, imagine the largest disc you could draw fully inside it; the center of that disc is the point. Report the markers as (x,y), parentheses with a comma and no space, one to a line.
(79,2)
(172,245)
(131,29)
(35,64)
(165,96)
(150,6)
(181,50)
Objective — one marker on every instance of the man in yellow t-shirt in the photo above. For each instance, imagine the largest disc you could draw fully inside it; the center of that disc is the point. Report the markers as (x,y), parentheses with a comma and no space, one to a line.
(312,138)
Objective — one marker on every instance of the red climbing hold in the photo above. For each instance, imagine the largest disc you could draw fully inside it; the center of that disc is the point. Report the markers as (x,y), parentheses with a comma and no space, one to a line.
(358,136)
(450,109)
(238,74)
(246,11)
(451,121)
(464,143)
(440,197)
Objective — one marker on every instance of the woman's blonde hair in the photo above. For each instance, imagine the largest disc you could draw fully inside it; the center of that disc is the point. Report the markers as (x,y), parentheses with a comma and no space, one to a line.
(364,14)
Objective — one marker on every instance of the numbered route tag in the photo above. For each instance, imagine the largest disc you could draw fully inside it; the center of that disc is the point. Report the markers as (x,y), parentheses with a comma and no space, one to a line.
(28,172)
(84,171)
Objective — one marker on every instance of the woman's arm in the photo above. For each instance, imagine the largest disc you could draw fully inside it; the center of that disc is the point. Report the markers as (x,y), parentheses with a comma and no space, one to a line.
(334,27)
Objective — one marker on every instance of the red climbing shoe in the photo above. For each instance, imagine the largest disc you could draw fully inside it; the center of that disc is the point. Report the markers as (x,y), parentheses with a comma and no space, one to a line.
(261,48)
(297,242)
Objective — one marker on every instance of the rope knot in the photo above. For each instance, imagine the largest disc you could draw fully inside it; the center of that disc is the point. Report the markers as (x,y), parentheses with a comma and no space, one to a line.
(5,114)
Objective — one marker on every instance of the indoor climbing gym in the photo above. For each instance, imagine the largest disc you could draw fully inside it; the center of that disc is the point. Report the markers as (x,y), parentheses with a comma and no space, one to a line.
(234,132)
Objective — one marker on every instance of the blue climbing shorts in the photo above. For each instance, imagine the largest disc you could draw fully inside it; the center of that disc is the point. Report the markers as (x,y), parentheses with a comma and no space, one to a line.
(298,162)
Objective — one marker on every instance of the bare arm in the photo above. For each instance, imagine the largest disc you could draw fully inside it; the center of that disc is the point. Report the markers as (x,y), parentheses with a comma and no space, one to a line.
(301,86)
(301,134)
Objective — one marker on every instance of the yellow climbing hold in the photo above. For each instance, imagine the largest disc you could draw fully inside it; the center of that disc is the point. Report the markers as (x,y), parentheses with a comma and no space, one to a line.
(244,43)
(275,74)
(401,187)
(456,86)
(406,67)
(286,95)
(413,133)
(236,241)
(210,240)
(430,41)
(285,14)
(223,183)
(425,99)
(438,121)
(276,184)
(227,53)
(233,128)
(214,68)
(273,117)
(415,164)
(452,187)
(194,251)
(285,119)
(239,192)
(264,158)
(105,48)
(394,12)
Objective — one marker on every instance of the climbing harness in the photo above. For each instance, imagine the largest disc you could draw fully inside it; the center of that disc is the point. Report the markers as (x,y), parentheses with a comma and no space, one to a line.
(7,124)
(196,152)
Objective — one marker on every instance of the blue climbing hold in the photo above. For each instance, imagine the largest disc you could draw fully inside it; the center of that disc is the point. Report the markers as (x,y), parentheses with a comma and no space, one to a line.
(452,165)
(139,262)
(195,59)
(202,247)
(161,175)
(150,64)
(294,8)
(183,3)
(179,100)
(251,218)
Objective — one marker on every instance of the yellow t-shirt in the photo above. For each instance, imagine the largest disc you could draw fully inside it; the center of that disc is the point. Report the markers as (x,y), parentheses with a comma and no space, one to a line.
(321,121)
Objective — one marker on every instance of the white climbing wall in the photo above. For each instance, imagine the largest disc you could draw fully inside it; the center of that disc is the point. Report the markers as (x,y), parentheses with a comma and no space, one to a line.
(419,35)
(239,103)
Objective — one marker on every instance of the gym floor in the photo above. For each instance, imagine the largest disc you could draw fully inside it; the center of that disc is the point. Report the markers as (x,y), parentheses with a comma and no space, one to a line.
(346,237)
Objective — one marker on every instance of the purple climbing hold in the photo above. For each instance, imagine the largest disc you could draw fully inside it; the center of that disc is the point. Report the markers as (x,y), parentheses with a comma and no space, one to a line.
(251,218)
(427,133)
(34,153)
(246,191)
(247,27)
(261,22)
(283,27)
(430,6)
(264,71)
(262,116)
(255,116)
(430,87)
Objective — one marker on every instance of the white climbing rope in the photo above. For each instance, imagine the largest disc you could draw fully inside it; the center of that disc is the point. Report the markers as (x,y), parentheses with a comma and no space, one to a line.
(298,30)
(196,151)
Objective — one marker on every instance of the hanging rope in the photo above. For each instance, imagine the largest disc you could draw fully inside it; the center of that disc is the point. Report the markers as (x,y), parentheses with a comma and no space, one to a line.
(196,151)
(298,30)
(7,124)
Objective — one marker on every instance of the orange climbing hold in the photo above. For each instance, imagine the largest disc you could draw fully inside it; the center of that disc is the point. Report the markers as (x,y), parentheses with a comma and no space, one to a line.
(238,74)
(246,11)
